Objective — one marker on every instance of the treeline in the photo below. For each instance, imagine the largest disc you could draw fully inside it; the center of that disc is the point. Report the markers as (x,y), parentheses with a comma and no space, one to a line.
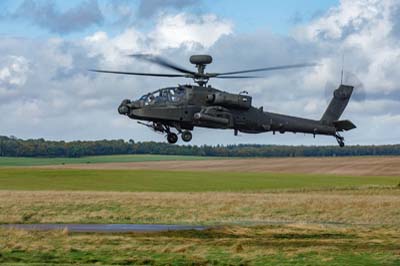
(14,147)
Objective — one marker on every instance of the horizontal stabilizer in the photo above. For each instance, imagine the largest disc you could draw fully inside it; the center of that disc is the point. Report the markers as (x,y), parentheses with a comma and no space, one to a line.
(344,125)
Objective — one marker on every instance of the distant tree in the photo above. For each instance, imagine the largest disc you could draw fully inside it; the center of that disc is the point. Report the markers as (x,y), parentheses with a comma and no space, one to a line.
(12,146)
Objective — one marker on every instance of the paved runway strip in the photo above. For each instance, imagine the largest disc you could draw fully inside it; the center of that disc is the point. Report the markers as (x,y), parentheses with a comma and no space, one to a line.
(105,228)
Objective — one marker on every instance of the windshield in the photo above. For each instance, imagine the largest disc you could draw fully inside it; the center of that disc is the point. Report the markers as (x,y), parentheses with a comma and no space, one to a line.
(163,96)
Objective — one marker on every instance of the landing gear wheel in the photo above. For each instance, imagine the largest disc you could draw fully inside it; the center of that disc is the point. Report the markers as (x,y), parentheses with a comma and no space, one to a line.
(172,138)
(186,136)
(340,140)
(341,144)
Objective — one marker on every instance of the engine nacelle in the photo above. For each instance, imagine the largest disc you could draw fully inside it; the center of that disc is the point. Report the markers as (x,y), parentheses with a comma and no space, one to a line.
(230,100)
(212,119)
(217,116)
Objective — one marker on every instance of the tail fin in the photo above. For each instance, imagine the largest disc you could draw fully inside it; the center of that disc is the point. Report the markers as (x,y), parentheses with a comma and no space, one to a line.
(341,97)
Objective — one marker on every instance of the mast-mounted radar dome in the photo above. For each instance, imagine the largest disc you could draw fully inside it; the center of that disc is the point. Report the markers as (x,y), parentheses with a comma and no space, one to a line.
(201,59)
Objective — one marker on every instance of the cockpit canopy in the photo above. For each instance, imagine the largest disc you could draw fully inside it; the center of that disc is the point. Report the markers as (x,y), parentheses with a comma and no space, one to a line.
(171,95)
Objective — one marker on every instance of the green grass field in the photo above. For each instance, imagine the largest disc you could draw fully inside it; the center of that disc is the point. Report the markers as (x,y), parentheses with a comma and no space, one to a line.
(27,161)
(174,181)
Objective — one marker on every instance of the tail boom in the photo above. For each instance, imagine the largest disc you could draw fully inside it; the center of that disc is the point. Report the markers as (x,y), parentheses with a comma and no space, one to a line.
(329,124)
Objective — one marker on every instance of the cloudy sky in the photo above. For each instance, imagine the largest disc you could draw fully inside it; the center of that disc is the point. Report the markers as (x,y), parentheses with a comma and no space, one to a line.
(47,46)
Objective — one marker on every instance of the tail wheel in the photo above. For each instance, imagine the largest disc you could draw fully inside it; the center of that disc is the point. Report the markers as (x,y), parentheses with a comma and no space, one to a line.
(186,136)
(172,138)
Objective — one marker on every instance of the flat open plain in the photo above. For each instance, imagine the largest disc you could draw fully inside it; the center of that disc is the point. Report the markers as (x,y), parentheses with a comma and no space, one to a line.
(353,166)
(266,211)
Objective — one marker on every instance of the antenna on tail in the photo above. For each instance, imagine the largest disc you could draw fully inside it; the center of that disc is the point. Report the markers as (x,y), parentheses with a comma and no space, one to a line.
(341,77)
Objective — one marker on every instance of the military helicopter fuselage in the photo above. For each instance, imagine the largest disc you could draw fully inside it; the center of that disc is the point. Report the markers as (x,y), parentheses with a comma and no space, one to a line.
(188,106)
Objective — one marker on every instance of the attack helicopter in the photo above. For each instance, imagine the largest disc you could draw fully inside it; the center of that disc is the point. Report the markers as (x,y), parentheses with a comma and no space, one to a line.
(185,107)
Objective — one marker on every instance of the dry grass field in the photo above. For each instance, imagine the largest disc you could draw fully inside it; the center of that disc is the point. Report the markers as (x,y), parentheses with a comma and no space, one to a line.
(235,245)
(353,166)
(362,206)
(321,227)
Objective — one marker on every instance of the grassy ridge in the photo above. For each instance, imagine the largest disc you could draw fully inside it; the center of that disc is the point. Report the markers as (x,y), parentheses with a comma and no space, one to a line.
(171,181)
(27,161)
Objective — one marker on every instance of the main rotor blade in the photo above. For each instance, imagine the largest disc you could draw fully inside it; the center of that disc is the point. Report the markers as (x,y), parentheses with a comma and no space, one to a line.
(269,68)
(237,77)
(161,62)
(139,74)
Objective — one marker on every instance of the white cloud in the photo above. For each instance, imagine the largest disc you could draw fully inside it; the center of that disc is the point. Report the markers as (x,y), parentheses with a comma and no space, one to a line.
(349,17)
(362,30)
(114,50)
(32,109)
(13,71)
(172,31)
